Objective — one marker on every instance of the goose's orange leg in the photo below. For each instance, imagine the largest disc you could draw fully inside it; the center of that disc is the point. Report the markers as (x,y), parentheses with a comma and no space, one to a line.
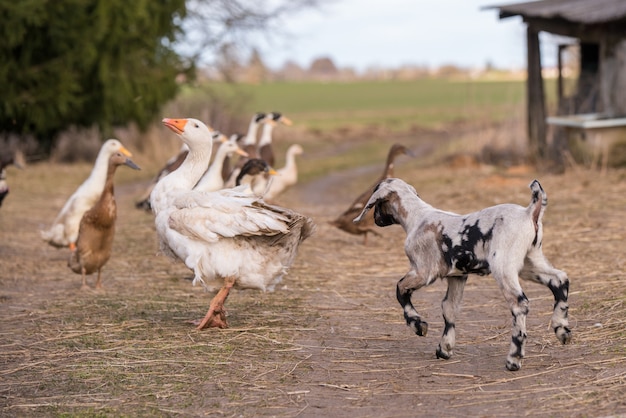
(216,316)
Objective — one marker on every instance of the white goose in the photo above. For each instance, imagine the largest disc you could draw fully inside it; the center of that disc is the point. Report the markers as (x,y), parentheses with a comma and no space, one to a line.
(212,179)
(286,176)
(170,165)
(227,238)
(64,230)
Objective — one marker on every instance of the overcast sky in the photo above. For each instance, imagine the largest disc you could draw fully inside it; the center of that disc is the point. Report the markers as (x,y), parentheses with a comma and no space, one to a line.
(390,33)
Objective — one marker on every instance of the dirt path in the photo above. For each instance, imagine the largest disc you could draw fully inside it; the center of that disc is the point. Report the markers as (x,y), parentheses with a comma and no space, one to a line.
(331,341)
(364,361)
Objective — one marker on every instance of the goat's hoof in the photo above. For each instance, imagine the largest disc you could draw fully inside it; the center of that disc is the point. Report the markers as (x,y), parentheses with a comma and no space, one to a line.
(442,354)
(420,327)
(513,365)
(564,334)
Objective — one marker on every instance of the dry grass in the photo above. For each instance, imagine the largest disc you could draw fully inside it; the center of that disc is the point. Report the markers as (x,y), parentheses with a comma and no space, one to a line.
(331,341)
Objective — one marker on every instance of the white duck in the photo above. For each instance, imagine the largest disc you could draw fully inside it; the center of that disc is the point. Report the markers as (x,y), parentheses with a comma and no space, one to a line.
(64,230)
(286,176)
(249,145)
(212,179)
(250,140)
(226,237)
(97,227)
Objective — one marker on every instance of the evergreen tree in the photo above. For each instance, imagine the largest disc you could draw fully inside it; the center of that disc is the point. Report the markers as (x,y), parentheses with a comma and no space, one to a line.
(86,62)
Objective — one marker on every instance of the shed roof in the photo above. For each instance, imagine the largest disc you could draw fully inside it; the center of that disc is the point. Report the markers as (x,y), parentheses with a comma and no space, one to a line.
(587,12)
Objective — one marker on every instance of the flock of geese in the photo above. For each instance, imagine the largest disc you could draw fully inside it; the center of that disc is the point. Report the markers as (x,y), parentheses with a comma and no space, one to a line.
(211,212)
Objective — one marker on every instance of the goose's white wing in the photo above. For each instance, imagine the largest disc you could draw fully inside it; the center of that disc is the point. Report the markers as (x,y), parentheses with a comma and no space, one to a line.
(225,213)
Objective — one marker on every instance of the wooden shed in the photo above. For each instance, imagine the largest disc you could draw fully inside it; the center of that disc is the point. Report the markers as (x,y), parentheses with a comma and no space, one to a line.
(599,29)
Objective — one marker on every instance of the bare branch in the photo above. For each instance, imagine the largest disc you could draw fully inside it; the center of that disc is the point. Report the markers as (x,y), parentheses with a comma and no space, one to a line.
(213,28)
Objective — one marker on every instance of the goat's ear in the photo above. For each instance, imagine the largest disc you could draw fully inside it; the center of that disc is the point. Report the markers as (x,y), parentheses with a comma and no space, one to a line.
(370,204)
(380,193)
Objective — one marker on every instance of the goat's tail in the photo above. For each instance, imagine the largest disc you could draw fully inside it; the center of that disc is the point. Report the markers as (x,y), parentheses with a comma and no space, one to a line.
(538,203)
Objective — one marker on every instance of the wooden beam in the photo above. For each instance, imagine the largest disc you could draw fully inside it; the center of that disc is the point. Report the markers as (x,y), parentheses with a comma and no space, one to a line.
(560,93)
(536,108)
(589,33)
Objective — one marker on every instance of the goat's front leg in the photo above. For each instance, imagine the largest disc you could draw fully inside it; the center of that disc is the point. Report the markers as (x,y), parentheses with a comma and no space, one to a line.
(404,289)
(538,269)
(518,302)
(450,307)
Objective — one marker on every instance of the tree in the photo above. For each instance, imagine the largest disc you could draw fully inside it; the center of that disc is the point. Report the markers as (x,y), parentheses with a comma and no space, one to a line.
(256,70)
(108,63)
(85,63)
(237,24)
(323,66)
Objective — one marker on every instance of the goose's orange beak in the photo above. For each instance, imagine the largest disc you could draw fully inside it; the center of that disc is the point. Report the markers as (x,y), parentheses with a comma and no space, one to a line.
(241,152)
(285,121)
(218,137)
(176,125)
(125,151)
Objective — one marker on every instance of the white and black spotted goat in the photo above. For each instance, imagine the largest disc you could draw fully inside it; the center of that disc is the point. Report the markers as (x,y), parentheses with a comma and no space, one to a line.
(504,240)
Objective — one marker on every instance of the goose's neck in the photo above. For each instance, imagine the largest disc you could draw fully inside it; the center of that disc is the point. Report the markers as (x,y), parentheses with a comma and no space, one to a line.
(190,171)
(193,168)
(250,138)
(266,135)
(215,168)
(183,179)
(290,159)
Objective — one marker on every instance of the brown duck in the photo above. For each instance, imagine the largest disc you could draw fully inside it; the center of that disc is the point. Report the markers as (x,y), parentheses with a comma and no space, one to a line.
(97,227)
(345,220)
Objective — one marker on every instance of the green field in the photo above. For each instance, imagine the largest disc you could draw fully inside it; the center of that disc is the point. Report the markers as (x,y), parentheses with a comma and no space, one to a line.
(325,112)
(396,105)
(374,113)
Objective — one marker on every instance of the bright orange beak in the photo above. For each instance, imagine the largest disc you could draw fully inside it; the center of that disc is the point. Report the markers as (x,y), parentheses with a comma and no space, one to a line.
(126,152)
(241,152)
(176,125)
(285,121)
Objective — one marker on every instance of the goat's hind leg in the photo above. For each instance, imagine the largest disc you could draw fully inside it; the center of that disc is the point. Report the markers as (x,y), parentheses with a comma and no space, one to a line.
(538,269)
(404,289)
(450,307)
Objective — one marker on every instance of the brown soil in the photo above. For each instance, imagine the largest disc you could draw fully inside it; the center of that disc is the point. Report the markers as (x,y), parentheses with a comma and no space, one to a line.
(331,341)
